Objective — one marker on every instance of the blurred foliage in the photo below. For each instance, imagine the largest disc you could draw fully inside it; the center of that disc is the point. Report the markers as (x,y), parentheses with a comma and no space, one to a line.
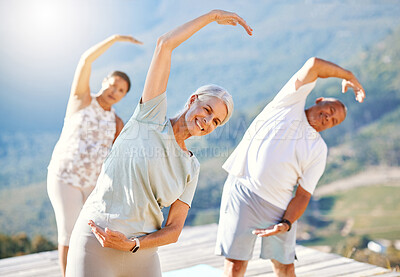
(355,247)
(21,244)
(27,209)
(347,221)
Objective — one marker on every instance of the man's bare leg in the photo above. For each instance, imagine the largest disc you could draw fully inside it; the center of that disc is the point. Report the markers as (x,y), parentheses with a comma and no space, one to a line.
(283,270)
(234,268)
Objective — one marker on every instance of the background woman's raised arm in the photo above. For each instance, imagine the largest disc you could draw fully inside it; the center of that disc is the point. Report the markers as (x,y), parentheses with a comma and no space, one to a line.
(80,90)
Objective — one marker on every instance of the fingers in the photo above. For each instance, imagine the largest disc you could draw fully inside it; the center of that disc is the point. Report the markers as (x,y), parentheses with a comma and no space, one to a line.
(244,24)
(360,95)
(137,41)
(270,231)
(344,86)
(108,238)
(356,86)
(358,90)
(265,232)
(129,39)
(98,232)
(113,234)
(228,18)
(133,40)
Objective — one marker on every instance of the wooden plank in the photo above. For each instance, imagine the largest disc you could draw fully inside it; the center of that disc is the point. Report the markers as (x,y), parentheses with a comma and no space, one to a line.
(53,271)
(196,246)
(389,274)
(26,267)
(339,270)
(50,255)
(373,271)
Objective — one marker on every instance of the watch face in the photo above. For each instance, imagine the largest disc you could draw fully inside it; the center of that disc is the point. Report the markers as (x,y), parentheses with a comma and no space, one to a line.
(137,244)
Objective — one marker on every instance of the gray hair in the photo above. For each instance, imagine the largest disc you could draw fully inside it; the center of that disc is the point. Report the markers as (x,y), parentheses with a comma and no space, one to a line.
(215,91)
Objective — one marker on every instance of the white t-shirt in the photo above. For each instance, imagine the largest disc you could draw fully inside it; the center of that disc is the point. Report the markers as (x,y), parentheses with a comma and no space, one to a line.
(280,149)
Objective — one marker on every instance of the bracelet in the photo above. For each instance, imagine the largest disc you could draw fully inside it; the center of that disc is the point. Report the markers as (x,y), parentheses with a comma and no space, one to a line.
(287,222)
(137,245)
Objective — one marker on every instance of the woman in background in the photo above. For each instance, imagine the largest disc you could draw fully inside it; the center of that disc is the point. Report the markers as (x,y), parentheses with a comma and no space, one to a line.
(90,127)
(148,168)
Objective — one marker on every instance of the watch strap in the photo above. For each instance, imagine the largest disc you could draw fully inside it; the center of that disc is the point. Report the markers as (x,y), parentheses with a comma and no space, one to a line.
(287,222)
(137,244)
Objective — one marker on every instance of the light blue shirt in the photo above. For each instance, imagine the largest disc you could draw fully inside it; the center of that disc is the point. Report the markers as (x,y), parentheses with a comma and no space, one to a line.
(145,171)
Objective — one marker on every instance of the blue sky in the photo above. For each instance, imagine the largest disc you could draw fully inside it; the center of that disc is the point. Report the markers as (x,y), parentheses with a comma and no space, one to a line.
(42,40)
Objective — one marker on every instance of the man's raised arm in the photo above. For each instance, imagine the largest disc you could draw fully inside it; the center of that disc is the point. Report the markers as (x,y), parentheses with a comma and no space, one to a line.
(317,68)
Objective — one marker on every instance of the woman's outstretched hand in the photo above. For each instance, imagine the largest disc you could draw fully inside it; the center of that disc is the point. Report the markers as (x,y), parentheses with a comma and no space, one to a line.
(123,38)
(229,18)
(111,239)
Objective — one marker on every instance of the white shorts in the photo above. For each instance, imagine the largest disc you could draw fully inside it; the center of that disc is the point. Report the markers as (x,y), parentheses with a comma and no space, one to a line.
(67,202)
(242,211)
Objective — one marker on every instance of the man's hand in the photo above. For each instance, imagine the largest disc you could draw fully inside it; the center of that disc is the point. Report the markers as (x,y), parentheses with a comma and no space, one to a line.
(356,86)
(317,68)
(276,229)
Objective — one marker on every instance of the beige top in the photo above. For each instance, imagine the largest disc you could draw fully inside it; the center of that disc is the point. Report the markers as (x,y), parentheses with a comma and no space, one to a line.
(85,141)
(145,171)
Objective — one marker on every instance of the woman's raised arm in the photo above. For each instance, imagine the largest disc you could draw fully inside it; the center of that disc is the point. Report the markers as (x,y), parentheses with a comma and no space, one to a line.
(157,76)
(80,90)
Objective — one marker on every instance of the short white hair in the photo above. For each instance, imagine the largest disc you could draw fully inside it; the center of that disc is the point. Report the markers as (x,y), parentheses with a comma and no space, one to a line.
(215,91)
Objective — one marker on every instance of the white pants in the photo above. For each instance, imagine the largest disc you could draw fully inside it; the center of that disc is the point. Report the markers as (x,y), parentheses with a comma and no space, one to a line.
(67,202)
(86,257)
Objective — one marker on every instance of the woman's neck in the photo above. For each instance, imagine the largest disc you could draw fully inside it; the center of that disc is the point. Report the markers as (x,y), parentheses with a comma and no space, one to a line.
(181,132)
(103,104)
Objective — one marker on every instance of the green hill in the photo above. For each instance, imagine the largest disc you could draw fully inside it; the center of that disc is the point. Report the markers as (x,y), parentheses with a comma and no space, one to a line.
(346,221)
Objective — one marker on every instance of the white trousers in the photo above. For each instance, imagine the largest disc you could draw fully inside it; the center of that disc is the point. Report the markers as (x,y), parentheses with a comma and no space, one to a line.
(86,257)
(67,202)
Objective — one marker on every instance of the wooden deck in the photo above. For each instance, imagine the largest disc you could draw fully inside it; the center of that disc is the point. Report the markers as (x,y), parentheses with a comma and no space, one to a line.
(193,255)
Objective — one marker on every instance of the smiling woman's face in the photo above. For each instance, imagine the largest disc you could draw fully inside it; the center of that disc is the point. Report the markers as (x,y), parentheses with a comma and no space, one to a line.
(204,116)
(325,114)
(114,89)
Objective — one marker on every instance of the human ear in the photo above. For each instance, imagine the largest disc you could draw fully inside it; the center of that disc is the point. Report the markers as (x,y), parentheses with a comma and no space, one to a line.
(193,98)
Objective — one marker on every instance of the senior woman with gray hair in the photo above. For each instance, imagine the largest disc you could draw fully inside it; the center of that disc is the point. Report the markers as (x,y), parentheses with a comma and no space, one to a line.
(148,168)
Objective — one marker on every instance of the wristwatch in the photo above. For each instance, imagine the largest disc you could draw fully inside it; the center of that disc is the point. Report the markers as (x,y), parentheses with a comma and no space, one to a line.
(288,223)
(137,245)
